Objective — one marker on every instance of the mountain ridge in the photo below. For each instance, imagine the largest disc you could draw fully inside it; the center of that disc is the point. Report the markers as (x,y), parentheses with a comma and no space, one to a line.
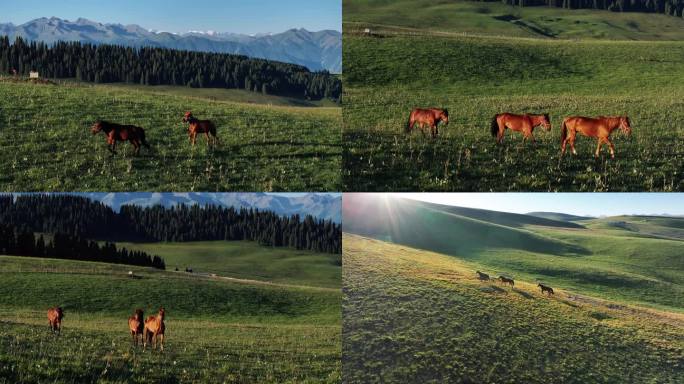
(320,50)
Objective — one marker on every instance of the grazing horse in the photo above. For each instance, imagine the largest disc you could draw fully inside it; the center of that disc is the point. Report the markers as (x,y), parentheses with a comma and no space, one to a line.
(427,117)
(136,325)
(600,128)
(200,126)
(545,288)
(55,316)
(506,280)
(117,132)
(482,276)
(521,123)
(154,330)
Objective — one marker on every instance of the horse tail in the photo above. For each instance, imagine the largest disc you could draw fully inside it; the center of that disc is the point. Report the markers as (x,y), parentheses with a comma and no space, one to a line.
(409,126)
(495,126)
(564,131)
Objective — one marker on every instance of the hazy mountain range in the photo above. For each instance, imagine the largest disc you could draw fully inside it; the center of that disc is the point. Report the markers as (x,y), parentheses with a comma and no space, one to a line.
(322,206)
(314,50)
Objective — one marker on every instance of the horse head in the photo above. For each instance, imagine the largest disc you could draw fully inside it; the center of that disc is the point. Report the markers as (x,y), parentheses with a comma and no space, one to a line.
(96,128)
(139,314)
(625,126)
(445,116)
(187,117)
(161,313)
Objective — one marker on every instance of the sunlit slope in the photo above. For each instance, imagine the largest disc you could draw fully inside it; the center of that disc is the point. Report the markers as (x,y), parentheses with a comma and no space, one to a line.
(416,316)
(495,18)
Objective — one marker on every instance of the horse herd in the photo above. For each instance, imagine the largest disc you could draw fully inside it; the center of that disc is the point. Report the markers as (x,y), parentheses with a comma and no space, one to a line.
(149,331)
(136,135)
(599,127)
(506,280)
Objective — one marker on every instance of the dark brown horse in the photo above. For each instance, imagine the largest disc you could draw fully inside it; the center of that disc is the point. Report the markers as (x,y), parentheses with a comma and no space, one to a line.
(55,316)
(482,276)
(154,330)
(200,126)
(117,132)
(427,117)
(545,288)
(506,280)
(136,325)
(520,123)
(600,127)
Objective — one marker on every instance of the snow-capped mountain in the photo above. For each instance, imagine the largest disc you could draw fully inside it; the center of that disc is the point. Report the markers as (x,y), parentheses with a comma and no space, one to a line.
(314,50)
(322,206)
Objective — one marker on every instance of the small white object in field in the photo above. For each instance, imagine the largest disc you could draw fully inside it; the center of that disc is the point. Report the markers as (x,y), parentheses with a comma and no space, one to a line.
(130,273)
(34,75)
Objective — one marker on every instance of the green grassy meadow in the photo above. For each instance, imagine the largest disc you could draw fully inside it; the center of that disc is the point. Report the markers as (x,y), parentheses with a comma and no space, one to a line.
(477,76)
(412,315)
(217,330)
(265,146)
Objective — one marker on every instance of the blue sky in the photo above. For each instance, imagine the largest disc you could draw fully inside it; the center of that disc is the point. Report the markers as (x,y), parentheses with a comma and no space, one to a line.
(238,16)
(593,204)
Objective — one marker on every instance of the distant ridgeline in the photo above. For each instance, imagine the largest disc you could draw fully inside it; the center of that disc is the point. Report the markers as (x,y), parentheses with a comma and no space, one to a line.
(668,7)
(82,217)
(21,241)
(161,66)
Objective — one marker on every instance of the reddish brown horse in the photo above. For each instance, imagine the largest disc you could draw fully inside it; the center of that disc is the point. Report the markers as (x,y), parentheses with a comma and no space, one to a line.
(506,280)
(520,123)
(545,288)
(55,316)
(136,325)
(427,117)
(117,132)
(600,128)
(200,126)
(154,330)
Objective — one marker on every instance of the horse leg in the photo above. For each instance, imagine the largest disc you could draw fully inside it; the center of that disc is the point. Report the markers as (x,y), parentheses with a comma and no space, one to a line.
(571,139)
(612,148)
(161,342)
(206,134)
(598,147)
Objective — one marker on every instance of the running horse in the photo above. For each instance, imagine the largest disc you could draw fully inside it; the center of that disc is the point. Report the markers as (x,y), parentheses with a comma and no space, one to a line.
(154,330)
(55,316)
(136,325)
(118,132)
(482,276)
(427,117)
(506,280)
(545,288)
(200,126)
(600,127)
(520,123)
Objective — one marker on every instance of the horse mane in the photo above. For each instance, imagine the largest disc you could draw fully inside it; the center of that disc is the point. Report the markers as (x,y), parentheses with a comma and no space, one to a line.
(446,112)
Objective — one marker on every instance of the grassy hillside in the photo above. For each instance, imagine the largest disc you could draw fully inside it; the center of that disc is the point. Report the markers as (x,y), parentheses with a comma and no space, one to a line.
(478,77)
(247,260)
(416,316)
(45,134)
(495,18)
(217,330)
(559,216)
(608,262)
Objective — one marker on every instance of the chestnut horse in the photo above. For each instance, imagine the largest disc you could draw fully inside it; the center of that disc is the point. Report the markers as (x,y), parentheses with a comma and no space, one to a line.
(427,117)
(117,132)
(521,123)
(482,276)
(154,330)
(545,288)
(506,280)
(600,128)
(200,126)
(55,316)
(136,325)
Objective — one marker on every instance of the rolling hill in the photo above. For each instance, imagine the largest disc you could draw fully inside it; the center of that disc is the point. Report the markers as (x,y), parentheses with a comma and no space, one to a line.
(416,316)
(317,51)
(559,216)
(642,266)
(217,329)
(476,76)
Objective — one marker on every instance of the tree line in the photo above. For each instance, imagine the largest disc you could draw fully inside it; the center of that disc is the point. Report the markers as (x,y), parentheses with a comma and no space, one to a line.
(162,66)
(668,7)
(22,241)
(83,217)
